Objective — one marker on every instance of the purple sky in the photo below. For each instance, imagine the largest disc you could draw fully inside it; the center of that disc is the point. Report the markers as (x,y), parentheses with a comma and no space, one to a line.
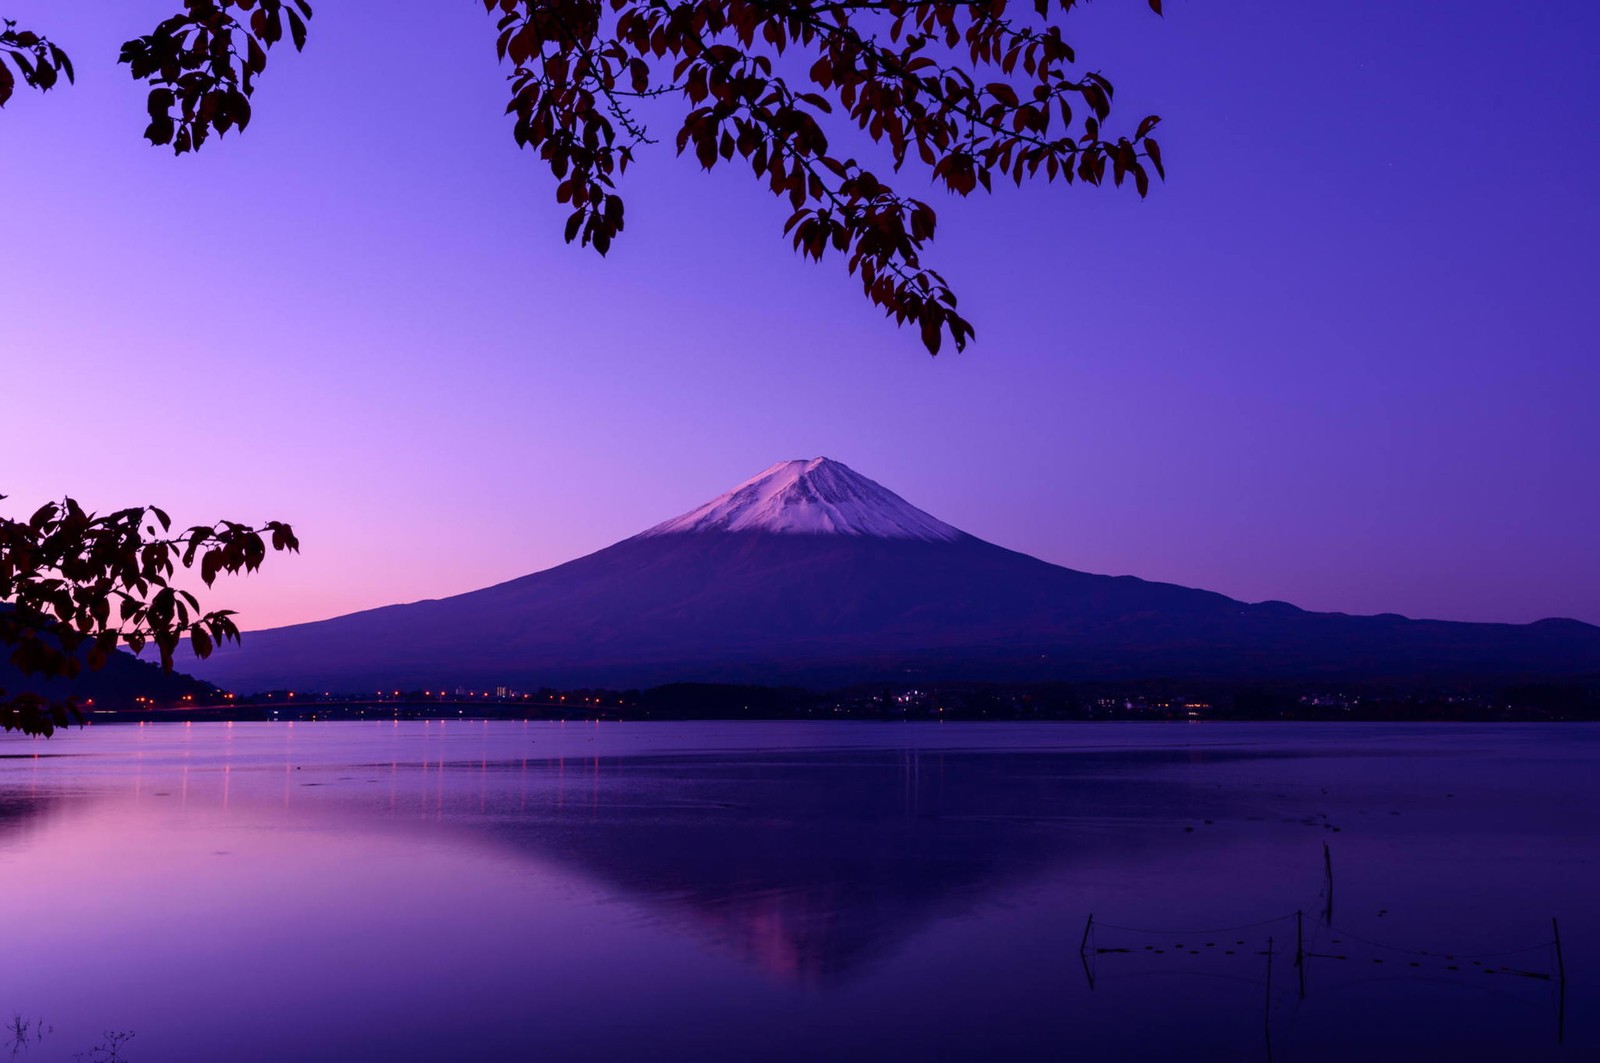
(1345,356)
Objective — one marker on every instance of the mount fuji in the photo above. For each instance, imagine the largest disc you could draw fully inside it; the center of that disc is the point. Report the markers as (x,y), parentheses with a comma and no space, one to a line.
(809,573)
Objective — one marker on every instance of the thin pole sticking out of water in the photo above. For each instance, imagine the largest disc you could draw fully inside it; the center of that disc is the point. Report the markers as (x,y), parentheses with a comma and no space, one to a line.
(1300,949)
(1267,1019)
(1083,952)
(1561,968)
(1561,975)
(1327,877)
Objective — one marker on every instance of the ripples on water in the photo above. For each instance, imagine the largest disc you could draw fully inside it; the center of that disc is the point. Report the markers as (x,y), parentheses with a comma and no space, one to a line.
(800,891)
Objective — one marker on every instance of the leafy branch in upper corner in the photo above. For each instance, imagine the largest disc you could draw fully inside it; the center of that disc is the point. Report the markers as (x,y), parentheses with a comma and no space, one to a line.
(902,73)
(40,63)
(77,586)
(202,65)
(970,90)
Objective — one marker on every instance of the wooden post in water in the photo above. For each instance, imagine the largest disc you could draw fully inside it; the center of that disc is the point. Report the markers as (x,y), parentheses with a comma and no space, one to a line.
(1561,967)
(1561,978)
(1327,876)
(1267,1019)
(1083,952)
(1300,949)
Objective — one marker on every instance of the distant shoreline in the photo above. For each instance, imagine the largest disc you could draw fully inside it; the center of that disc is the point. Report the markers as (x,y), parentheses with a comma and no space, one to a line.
(953,704)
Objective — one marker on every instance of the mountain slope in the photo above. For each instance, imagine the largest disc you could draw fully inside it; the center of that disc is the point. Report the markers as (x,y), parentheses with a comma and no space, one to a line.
(810,573)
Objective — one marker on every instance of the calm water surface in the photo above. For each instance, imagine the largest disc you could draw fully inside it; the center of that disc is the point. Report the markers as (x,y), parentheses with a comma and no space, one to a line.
(801,891)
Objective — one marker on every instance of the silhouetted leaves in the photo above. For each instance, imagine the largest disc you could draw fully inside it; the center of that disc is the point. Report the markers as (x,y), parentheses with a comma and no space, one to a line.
(38,62)
(903,72)
(76,585)
(202,65)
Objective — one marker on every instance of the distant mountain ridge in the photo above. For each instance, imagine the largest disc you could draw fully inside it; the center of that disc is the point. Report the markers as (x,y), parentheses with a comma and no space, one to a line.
(812,574)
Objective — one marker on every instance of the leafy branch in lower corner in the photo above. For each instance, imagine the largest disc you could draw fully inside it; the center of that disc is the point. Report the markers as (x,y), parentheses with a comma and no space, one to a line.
(77,586)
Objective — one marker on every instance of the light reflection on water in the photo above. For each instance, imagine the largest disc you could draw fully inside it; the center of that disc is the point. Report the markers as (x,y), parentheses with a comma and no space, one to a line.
(791,891)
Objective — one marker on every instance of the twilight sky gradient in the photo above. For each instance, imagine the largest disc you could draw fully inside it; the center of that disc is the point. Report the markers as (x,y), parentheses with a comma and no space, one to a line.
(1346,356)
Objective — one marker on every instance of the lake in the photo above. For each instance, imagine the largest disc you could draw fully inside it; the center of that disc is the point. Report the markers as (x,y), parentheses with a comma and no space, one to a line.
(469,890)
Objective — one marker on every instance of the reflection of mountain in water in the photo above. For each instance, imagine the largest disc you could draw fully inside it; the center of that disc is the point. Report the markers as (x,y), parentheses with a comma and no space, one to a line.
(810,865)
(807,864)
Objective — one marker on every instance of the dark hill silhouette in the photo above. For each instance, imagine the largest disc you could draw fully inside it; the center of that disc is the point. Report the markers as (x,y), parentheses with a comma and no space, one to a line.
(115,686)
(811,574)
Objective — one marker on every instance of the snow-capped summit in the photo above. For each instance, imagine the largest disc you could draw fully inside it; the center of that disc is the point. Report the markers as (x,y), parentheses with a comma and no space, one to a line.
(819,496)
